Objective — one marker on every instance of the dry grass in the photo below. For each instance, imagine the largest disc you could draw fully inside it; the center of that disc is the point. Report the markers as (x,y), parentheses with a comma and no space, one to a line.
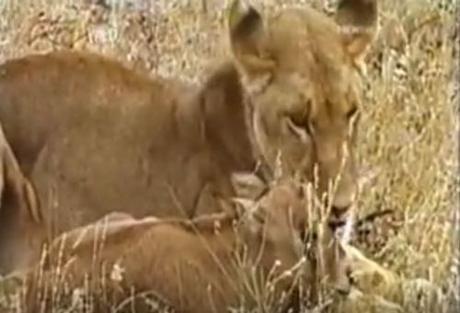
(409,132)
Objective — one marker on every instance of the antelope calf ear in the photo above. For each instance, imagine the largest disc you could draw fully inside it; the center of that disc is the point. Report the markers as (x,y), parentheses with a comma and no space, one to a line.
(113,227)
(248,189)
(247,185)
(248,39)
(358,22)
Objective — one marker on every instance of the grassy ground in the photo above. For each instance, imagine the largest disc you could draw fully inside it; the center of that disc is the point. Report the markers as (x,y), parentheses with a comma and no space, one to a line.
(409,132)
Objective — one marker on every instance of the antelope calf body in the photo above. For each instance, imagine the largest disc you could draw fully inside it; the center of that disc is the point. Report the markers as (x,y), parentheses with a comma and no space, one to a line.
(195,266)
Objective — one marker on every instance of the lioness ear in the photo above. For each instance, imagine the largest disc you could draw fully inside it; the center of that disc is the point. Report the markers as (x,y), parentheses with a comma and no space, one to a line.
(247,185)
(358,22)
(248,38)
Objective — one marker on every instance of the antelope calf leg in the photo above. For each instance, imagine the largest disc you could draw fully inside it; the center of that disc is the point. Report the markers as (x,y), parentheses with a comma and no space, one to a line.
(369,274)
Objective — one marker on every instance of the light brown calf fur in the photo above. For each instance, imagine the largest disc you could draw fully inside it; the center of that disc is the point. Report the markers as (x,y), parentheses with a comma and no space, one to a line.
(190,265)
(95,137)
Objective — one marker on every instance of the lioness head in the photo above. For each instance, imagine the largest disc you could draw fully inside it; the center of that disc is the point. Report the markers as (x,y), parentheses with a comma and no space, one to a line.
(300,70)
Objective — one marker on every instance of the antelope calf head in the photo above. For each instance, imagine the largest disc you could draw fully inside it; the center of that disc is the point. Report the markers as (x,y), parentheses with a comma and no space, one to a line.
(286,227)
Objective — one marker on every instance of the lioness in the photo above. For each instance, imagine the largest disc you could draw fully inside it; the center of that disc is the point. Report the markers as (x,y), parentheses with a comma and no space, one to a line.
(94,137)
(203,265)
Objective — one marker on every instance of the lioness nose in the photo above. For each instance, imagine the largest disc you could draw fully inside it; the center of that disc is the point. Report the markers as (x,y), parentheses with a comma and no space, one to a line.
(338,216)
